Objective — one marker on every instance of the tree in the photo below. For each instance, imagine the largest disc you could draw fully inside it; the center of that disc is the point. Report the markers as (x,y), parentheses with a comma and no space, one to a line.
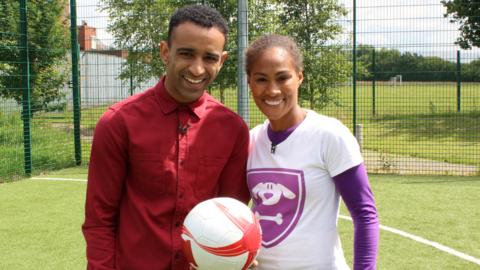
(471,71)
(467,13)
(48,50)
(313,24)
(8,42)
(386,63)
(407,65)
(434,68)
(140,25)
(227,78)
(365,62)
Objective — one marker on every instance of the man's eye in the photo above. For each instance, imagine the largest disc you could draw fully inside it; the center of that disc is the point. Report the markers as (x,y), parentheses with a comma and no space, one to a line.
(186,54)
(211,59)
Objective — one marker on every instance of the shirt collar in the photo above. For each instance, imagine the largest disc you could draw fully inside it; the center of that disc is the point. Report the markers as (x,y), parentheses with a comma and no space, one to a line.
(169,105)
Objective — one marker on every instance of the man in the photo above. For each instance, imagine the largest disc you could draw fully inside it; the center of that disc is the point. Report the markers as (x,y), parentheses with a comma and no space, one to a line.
(157,154)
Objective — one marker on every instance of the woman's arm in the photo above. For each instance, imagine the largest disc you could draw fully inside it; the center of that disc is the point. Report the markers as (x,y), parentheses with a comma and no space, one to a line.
(354,188)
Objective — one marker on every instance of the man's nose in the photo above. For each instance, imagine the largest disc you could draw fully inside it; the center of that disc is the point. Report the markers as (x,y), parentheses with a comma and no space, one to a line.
(197,67)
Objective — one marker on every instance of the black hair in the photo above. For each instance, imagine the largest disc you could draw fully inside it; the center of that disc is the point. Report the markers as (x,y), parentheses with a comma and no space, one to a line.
(271,40)
(200,15)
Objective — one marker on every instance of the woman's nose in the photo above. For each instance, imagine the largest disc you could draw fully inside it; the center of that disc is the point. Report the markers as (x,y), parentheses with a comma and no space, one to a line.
(273,89)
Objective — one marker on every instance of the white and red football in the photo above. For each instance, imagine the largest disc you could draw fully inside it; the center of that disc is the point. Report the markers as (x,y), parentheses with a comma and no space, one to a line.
(221,234)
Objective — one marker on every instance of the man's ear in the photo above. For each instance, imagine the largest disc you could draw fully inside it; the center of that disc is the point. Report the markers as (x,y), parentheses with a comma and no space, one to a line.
(164,51)
(223,57)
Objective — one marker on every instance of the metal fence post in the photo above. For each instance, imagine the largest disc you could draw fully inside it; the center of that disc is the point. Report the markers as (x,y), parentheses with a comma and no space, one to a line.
(131,79)
(459,82)
(374,80)
(75,82)
(26,113)
(354,67)
(242,89)
(359,135)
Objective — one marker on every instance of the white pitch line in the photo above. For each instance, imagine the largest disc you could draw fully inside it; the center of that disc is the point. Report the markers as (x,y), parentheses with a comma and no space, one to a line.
(426,242)
(59,179)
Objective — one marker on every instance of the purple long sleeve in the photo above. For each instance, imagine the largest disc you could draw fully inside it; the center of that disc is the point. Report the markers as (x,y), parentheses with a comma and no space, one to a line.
(355,190)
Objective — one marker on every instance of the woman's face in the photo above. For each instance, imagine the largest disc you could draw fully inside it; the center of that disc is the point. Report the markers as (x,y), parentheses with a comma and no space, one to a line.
(274,81)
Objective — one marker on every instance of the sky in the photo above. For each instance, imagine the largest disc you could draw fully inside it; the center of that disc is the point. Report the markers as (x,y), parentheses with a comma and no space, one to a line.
(407,25)
(90,12)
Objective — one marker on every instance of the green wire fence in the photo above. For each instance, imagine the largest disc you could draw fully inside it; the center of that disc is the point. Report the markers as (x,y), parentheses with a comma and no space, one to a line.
(392,72)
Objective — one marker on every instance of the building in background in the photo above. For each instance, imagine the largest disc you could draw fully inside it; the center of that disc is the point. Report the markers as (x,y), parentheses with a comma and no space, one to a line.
(87,38)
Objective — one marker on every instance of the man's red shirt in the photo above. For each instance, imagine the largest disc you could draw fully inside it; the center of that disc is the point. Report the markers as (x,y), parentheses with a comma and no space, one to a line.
(153,160)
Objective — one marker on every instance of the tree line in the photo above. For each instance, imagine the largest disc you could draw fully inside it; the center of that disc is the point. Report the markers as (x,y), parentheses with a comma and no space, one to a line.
(48,44)
(382,64)
(139,26)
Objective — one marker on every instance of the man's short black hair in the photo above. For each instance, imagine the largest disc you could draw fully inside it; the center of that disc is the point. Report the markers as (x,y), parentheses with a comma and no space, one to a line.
(200,15)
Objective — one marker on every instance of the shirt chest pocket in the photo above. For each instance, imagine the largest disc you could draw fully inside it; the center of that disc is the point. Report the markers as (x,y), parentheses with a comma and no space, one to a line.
(150,174)
(208,176)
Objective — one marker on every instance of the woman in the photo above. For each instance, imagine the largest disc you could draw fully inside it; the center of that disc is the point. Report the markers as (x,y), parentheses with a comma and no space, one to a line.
(299,164)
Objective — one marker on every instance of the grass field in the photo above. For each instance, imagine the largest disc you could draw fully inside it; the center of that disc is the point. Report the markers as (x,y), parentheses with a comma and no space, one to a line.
(418,120)
(411,98)
(40,222)
(52,146)
(413,119)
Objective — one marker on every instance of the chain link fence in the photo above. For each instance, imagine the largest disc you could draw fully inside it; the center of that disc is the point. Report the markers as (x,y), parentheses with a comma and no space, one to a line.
(390,71)
(417,93)
(35,115)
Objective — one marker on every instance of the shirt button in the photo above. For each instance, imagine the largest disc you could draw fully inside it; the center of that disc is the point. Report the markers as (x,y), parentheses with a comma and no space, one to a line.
(177,256)
(180,195)
(177,224)
(181,162)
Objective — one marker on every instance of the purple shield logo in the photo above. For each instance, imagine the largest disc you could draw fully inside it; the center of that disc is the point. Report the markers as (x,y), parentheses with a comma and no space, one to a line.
(278,196)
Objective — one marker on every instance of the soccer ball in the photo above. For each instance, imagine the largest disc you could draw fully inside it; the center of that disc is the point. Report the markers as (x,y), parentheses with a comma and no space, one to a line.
(221,234)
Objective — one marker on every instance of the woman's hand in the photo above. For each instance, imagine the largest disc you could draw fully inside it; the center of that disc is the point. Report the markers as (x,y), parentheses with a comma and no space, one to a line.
(254,264)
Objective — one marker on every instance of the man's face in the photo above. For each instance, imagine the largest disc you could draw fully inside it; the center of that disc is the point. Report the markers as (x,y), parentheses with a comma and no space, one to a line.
(193,60)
